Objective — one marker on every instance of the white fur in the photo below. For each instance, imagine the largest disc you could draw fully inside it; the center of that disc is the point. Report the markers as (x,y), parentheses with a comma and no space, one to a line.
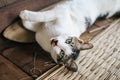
(66,19)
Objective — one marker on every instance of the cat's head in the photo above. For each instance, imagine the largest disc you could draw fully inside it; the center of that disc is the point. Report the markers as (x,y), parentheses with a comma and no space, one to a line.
(65,48)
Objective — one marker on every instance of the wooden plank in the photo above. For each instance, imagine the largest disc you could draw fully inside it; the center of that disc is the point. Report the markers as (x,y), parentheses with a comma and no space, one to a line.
(9,13)
(98,24)
(8,71)
(23,56)
(6,2)
(5,43)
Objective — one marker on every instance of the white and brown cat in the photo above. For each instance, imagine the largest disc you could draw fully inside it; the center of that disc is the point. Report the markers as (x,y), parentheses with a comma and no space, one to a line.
(62,26)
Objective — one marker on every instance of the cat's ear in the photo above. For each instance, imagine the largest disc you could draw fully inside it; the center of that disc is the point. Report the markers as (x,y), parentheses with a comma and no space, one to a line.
(53,42)
(86,45)
(82,45)
(54,49)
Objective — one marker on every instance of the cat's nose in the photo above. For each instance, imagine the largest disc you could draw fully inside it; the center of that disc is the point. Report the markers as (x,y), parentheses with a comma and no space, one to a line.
(75,54)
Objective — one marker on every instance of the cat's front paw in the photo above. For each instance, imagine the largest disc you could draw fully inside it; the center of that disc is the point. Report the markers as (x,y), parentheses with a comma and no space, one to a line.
(24,15)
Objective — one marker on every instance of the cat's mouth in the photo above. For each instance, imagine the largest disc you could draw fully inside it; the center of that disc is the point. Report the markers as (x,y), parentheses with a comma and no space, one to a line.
(69,61)
(71,65)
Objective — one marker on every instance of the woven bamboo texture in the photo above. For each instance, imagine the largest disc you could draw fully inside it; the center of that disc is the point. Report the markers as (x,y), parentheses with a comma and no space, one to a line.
(100,63)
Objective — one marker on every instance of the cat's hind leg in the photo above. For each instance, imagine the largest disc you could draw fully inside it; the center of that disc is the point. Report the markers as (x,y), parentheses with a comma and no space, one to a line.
(44,16)
(32,26)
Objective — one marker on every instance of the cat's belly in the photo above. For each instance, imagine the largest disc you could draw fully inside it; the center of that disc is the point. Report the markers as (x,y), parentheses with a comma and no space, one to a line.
(49,30)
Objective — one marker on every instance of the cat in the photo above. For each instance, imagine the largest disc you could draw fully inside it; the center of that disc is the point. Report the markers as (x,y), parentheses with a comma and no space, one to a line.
(58,29)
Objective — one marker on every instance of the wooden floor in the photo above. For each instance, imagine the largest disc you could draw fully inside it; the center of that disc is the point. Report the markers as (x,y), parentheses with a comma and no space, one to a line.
(20,61)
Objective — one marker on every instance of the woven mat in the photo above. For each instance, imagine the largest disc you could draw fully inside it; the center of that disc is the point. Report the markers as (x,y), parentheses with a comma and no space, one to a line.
(100,63)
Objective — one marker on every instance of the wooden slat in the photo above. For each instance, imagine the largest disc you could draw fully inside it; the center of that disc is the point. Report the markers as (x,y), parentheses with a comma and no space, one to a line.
(9,13)
(8,71)
(23,56)
(6,2)
(99,23)
(4,44)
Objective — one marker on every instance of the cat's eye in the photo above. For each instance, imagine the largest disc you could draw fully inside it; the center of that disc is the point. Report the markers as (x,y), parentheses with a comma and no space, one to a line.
(62,53)
(68,41)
